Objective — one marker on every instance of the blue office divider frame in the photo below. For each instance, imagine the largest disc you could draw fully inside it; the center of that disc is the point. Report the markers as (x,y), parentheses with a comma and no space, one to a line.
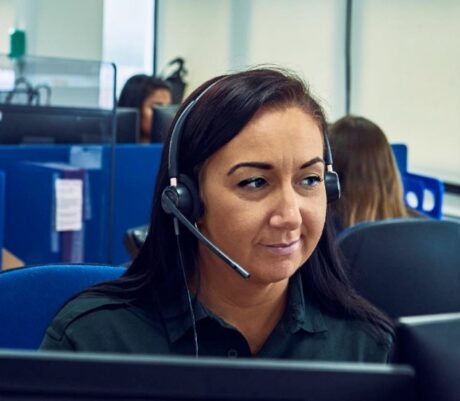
(135,173)
(2,213)
(96,244)
(119,199)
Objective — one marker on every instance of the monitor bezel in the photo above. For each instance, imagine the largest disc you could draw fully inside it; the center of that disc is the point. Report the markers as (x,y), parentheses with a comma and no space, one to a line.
(86,376)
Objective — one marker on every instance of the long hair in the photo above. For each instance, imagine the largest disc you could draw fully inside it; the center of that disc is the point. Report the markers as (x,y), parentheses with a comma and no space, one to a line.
(137,88)
(220,114)
(370,180)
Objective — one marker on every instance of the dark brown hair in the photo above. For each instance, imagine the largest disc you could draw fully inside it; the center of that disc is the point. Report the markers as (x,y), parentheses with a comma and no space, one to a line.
(218,117)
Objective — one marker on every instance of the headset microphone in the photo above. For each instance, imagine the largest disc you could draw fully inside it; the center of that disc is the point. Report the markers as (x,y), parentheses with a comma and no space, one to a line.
(169,206)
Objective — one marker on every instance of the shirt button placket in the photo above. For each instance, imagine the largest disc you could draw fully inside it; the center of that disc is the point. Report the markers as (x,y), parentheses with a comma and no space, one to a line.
(232,353)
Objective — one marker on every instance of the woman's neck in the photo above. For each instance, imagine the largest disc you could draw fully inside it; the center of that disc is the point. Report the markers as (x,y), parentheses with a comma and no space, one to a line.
(253,308)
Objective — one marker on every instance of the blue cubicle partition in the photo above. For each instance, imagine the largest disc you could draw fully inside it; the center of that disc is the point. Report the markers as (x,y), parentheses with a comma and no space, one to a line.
(400,154)
(35,218)
(118,195)
(96,224)
(2,213)
(136,168)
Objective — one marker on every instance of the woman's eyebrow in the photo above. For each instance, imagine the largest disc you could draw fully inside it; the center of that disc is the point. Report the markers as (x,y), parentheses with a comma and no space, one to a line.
(268,166)
(312,161)
(260,165)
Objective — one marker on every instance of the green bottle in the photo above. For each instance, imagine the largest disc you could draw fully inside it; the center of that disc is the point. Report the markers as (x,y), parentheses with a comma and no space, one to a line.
(17,43)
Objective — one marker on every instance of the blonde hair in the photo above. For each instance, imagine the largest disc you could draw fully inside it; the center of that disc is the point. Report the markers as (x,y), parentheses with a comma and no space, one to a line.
(371,184)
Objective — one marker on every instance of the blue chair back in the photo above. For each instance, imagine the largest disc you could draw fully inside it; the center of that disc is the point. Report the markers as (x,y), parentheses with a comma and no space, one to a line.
(430,199)
(31,296)
(422,193)
(405,266)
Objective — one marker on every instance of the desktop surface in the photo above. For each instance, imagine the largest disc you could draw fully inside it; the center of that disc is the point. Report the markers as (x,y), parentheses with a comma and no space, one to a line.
(77,376)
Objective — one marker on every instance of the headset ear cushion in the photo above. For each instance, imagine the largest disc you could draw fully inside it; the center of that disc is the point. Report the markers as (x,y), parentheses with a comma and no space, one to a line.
(195,205)
(332,183)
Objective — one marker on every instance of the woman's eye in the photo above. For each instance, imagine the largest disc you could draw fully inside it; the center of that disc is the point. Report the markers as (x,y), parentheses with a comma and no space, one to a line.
(255,183)
(311,181)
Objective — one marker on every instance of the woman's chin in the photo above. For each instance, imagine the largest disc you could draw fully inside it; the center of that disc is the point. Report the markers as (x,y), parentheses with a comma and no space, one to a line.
(277,272)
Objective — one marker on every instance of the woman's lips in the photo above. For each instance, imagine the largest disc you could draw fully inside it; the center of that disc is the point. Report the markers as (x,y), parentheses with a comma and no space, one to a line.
(283,249)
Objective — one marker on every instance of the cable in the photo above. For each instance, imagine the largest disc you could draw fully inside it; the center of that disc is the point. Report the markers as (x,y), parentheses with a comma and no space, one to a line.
(348,21)
(189,298)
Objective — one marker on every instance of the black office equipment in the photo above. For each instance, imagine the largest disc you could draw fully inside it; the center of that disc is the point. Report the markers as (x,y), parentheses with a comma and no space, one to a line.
(134,238)
(70,376)
(162,118)
(21,124)
(431,344)
(405,266)
(127,125)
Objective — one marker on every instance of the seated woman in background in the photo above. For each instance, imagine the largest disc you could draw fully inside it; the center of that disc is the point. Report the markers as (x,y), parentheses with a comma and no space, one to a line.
(369,177)
(246,168)
(143,92)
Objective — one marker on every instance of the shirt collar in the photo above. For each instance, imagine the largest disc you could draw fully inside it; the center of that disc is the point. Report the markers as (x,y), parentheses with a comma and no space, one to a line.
(300,313)
(175,311)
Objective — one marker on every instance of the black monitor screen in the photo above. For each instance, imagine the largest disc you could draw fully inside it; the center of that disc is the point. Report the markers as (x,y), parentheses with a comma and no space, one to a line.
(162,118)
(64,125)
(127,125)
(431,344)
(70,376)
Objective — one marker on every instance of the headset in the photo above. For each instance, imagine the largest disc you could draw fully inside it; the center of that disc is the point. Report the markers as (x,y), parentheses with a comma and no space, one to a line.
(181,197)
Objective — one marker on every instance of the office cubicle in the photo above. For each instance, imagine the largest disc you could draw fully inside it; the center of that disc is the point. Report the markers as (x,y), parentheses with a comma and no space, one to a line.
(60,137)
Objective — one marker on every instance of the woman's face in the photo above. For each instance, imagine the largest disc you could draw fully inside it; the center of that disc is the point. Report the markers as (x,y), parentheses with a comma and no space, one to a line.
(159,97)
(264,196)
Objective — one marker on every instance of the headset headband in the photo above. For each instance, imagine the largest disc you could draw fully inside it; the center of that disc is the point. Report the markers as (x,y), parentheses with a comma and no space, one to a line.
(176,135)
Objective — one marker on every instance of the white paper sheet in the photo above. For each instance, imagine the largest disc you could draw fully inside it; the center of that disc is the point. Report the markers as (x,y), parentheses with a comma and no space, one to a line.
(69,204)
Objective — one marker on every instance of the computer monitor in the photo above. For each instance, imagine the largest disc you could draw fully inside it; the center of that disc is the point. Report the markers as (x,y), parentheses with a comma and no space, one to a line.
(127,125)
(73,376)
(162,118)
(21,124)
(431,344)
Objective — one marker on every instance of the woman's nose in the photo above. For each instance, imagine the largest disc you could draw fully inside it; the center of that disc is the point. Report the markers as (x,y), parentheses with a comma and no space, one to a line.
(286,214)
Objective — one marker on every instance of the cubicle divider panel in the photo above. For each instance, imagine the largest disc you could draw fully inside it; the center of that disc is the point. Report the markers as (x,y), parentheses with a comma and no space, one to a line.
(21,237)
(2,213)
(400,155)
(118,193)
(32,234)
(136,168)
(96,161)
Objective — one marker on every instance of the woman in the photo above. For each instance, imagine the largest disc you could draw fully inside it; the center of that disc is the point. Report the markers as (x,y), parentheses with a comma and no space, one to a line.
(370,180)
(253,145)
(144,92)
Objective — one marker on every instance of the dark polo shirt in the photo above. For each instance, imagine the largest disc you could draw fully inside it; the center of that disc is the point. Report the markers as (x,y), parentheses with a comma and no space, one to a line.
(102,324)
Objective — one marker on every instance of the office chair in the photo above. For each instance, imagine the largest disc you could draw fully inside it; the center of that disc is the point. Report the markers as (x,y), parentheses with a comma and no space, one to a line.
(31,296)
(134,238)
(405,266)
(422,193)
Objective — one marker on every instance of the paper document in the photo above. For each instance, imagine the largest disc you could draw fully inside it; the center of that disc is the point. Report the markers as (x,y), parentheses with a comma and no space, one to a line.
(69,204)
